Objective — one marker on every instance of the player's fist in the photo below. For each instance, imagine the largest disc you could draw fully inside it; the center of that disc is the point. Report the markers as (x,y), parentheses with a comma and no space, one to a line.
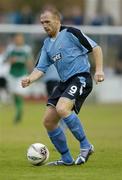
(99,77)
(25,82)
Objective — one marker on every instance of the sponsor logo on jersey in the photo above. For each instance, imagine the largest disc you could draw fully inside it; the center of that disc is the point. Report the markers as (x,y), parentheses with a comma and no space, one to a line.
(57,57)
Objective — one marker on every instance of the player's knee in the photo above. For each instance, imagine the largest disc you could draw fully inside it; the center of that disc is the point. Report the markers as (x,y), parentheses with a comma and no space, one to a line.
(62,110)
(48,124)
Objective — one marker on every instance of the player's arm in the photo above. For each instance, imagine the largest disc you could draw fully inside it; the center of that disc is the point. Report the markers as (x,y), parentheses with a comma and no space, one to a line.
(30,65)
(98,58)
(36,74)
(80,39)
(30,59)
(40,68)
(9,57)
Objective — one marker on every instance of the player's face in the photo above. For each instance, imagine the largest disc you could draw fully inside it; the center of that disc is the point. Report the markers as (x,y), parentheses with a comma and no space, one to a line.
(19,40)
(50,23)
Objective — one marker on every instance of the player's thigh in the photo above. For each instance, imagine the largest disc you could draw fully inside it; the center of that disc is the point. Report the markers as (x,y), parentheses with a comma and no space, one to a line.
(64,106)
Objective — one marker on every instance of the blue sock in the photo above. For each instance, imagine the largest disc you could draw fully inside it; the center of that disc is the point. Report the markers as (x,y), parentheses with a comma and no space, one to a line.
(76,128)
(63,125)
(59,140)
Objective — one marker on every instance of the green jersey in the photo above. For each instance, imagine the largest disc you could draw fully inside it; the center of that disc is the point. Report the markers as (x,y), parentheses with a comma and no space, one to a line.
(22,55)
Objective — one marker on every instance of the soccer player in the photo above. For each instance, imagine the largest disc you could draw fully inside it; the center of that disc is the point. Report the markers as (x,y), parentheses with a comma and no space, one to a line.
(19,56)
(67,48)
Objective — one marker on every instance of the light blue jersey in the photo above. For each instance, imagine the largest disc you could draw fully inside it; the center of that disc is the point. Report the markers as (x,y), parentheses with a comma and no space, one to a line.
(68,52)
(51,74)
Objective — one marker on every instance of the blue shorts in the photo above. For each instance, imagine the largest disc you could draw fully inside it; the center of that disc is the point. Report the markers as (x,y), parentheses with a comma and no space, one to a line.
(76,88)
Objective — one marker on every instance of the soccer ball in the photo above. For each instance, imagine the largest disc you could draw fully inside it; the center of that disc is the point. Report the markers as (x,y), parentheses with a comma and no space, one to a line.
(37,154)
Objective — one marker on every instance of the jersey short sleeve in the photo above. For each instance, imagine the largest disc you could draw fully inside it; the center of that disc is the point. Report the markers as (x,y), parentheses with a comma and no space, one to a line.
(80,39)
(43,61)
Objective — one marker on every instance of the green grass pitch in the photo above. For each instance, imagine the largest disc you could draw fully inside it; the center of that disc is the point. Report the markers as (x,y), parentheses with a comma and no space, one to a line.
(103,125)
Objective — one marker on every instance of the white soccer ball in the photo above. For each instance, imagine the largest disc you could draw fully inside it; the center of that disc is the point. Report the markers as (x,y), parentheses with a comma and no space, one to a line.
(37,154)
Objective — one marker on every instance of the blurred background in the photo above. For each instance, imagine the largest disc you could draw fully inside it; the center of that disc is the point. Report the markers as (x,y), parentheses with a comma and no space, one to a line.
(100,19)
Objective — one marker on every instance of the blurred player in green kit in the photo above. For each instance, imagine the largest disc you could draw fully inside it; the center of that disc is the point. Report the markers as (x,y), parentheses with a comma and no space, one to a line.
(19,55)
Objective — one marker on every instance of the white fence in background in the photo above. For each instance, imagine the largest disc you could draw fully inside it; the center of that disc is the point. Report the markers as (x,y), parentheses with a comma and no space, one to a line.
(94,30)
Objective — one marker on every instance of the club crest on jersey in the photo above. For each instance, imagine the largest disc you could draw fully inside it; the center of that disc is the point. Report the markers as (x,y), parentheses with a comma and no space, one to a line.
(57,57)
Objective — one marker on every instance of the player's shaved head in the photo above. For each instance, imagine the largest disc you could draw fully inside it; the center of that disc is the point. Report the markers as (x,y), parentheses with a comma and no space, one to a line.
(55,13)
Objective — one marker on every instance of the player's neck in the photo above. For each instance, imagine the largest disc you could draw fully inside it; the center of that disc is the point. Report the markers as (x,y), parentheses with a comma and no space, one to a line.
(56,32)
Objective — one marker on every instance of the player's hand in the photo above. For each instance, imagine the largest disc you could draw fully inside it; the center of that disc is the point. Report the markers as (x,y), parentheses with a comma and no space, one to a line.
(25,82)
(99,77)
(13,60)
